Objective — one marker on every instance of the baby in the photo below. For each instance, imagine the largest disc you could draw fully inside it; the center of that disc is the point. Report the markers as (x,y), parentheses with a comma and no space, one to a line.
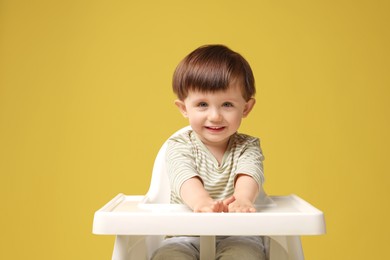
(212,167)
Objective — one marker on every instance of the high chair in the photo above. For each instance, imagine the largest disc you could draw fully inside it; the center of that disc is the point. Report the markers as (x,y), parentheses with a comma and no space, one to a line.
(140,223)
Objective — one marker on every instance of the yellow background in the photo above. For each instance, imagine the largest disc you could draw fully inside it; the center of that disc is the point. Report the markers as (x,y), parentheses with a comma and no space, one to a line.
(86,102)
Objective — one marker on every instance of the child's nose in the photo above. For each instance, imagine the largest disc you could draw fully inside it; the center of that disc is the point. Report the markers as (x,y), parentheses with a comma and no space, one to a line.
(215,115)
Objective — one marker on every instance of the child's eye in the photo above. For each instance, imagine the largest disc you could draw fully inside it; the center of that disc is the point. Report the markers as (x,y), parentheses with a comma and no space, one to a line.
(202,104)
(227,104)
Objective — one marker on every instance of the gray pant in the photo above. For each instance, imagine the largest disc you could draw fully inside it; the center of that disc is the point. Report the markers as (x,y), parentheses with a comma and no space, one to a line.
(227,248)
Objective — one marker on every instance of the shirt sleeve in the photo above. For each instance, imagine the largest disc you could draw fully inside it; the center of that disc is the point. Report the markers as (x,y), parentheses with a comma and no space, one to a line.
(250,161)
(180,163)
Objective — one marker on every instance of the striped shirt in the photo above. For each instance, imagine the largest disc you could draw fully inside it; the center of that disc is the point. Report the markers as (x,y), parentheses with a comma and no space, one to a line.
(188,157)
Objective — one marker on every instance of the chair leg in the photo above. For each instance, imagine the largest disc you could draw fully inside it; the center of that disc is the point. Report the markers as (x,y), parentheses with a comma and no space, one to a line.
(129,247)
(286,248)
(278,248)
(207,247)
(294,247)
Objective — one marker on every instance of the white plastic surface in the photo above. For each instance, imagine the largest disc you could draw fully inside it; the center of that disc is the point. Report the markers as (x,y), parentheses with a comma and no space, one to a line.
(287,215)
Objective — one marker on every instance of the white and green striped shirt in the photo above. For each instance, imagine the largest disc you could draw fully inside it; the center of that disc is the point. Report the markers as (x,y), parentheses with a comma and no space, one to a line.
(188,157)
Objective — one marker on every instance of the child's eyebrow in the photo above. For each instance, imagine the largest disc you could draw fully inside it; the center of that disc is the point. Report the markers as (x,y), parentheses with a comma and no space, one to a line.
(232,99)
(222,101)
(199,99)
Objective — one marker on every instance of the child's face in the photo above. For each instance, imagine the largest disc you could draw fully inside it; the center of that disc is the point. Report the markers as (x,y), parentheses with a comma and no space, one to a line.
(215,116)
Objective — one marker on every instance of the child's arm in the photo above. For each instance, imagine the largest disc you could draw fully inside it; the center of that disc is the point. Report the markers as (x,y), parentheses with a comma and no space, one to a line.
(198,199)
(245,192)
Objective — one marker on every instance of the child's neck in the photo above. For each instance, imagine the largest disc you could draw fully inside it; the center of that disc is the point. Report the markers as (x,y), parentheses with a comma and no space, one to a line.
(218,150)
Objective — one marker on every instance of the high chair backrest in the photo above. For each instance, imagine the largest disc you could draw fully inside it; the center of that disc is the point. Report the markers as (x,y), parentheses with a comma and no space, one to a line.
(159,189)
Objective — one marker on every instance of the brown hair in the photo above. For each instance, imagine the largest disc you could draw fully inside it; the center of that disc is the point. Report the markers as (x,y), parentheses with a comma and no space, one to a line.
(212,68)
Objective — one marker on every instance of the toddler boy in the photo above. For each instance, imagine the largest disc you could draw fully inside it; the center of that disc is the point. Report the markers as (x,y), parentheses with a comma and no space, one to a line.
(212,167)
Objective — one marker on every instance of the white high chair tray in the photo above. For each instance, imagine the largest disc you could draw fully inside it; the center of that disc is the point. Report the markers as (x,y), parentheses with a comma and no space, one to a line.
(284,215)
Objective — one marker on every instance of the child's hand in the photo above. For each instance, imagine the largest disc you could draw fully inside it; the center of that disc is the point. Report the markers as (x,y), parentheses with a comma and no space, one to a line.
(241,205)
(227,202)
(210,205)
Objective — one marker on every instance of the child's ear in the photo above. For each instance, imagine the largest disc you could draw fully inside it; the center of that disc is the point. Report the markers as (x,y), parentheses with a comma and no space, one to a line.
(182,107)
(249,106)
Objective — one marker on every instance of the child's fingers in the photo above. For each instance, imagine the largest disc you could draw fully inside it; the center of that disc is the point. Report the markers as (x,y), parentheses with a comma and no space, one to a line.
(242,209)
(219,206)
(229,200)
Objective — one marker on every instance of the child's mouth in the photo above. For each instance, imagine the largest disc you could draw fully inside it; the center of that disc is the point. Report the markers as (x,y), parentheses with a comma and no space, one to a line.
(215,128)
